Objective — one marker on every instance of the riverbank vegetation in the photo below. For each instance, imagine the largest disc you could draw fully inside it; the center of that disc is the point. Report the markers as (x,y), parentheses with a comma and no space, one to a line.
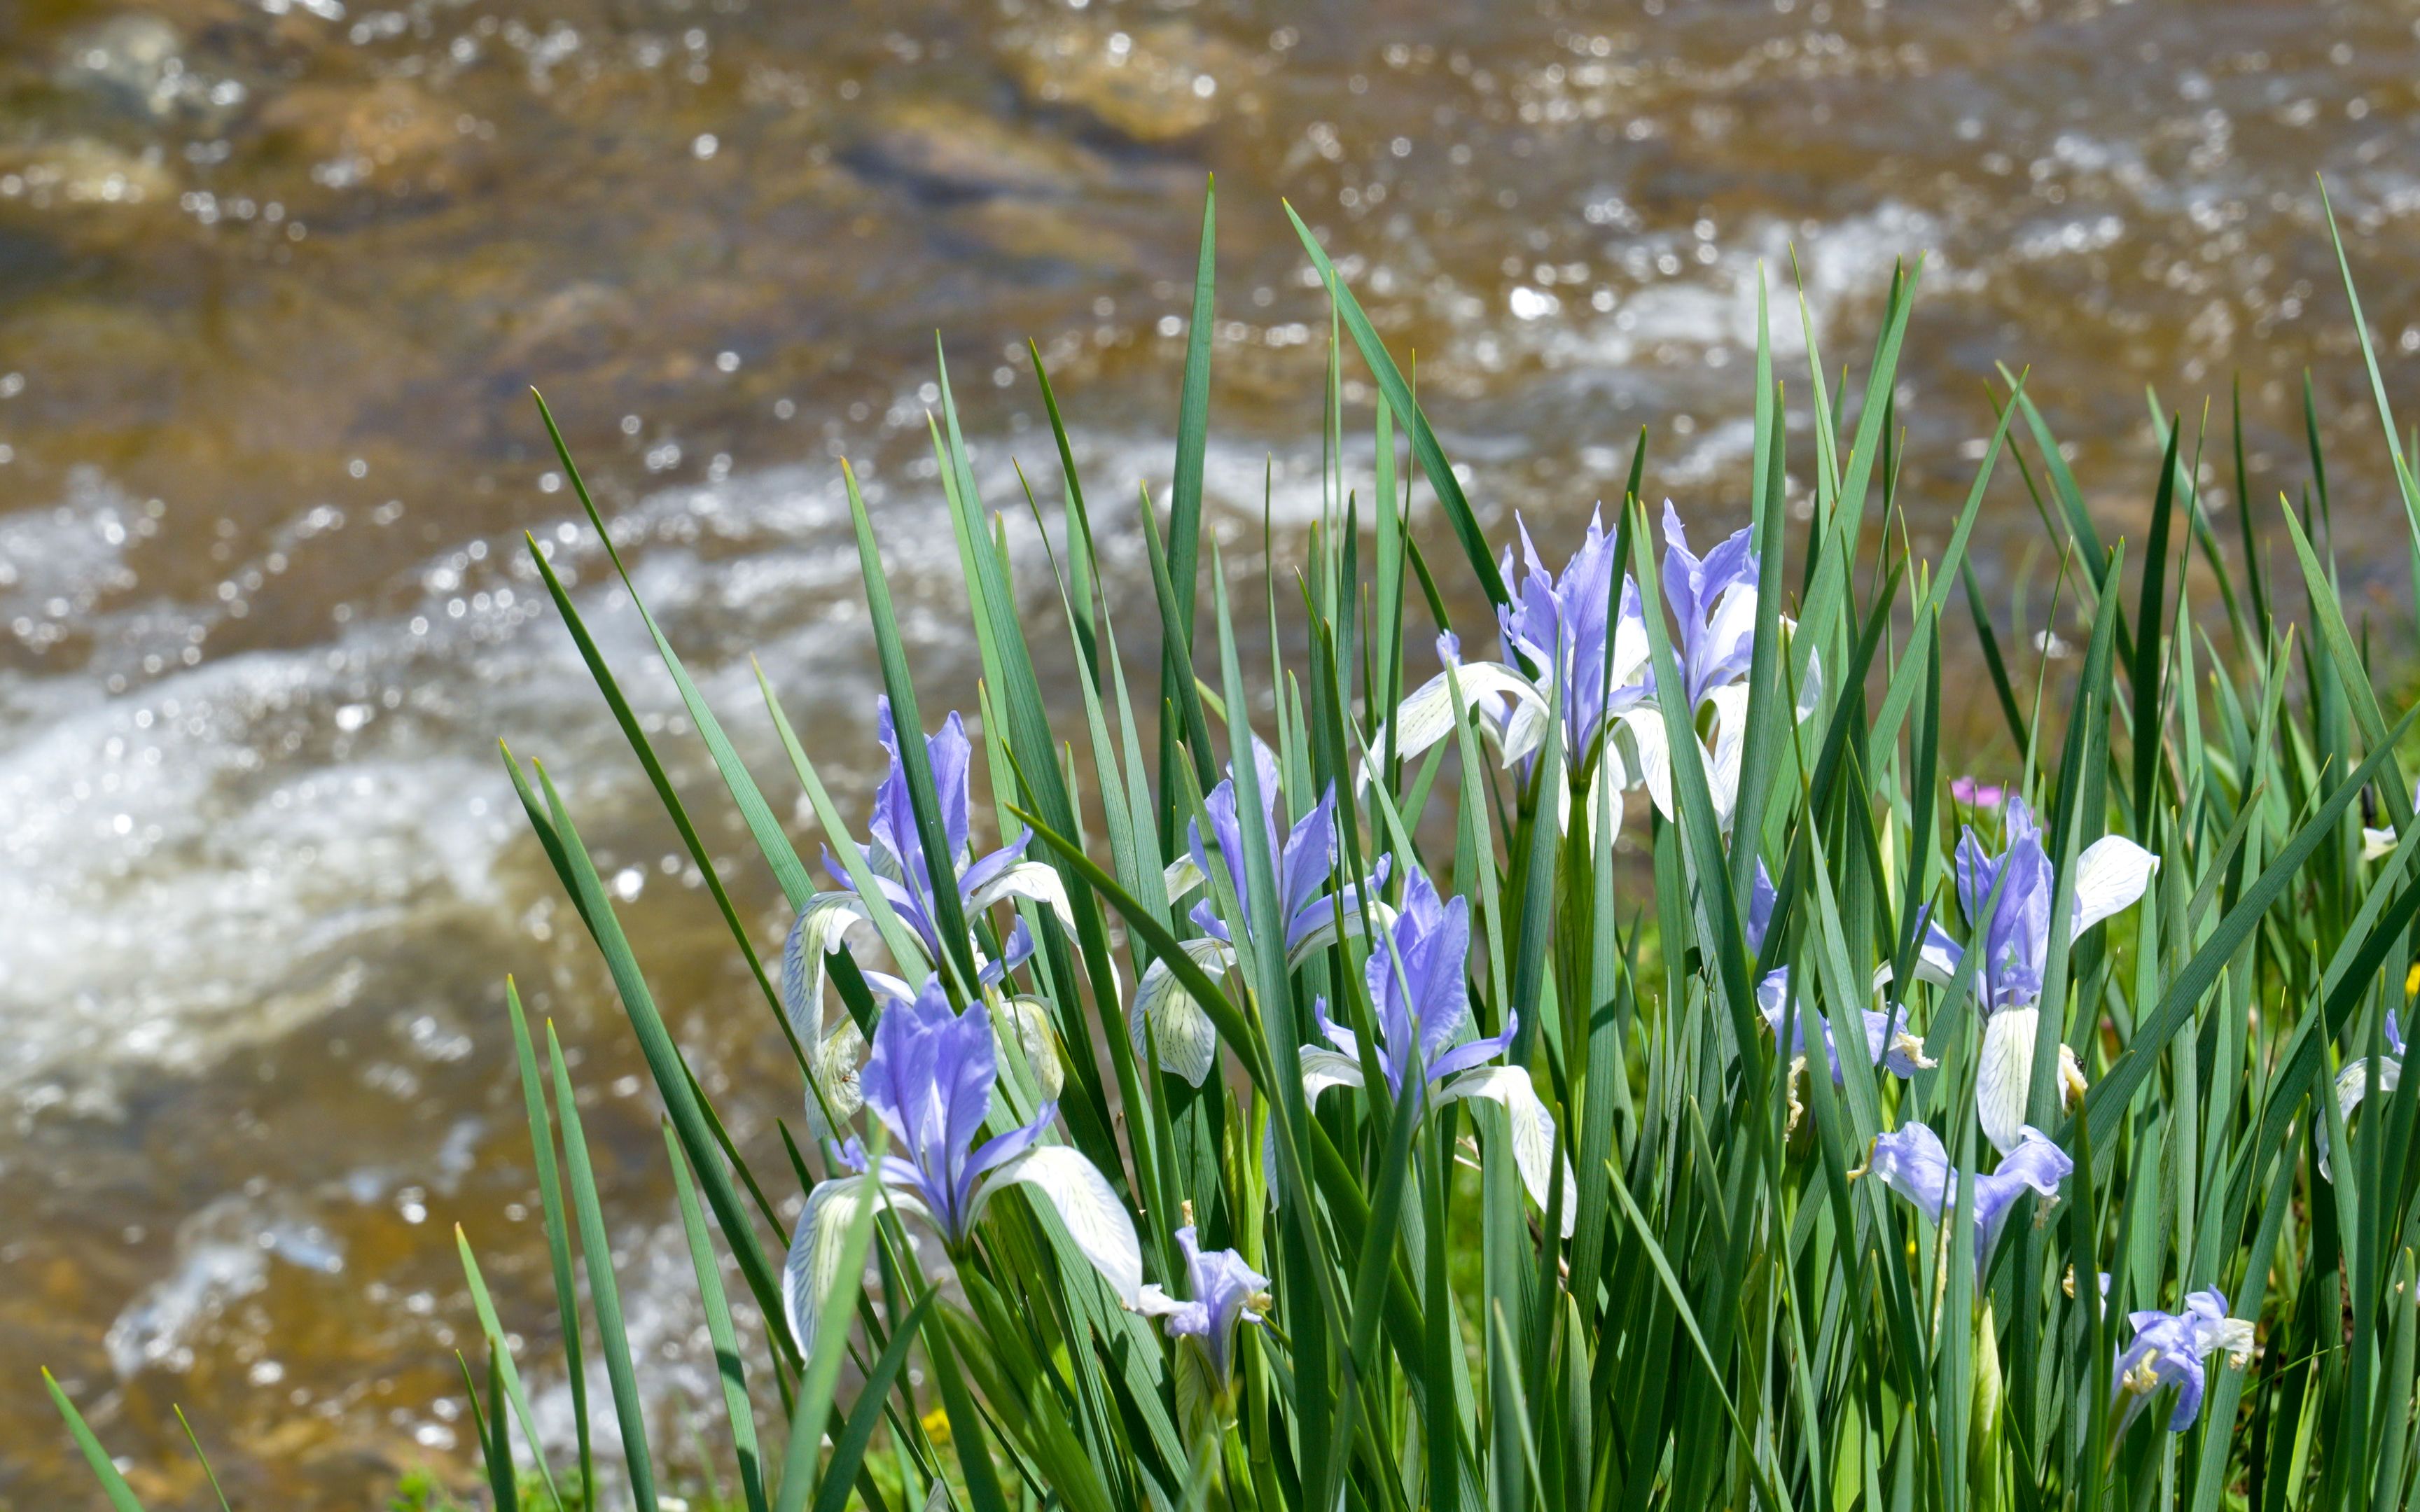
(1601,1050)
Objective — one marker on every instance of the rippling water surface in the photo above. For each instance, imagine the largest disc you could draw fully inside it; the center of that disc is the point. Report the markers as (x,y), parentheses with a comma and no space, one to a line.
(275,274)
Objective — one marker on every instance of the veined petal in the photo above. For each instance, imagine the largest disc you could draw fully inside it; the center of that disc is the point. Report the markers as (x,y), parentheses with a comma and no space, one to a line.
(1030,1018)
(1183,875)
(1086,1203)
(1651,757)
(816,933)
(2353,1084)
(1032,881)
(2109,877)
(833,1060)
(1323,1068)
(2376,843)
(1426,716)
(2004,1078)
(1533,1131)
(813,1267)
(1524,731)
(1730,740)
(1165,1014)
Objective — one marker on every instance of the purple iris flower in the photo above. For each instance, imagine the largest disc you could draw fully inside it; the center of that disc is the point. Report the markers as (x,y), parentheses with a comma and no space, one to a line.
(1912,1162)
(1416,981)
(1714,598)
(929,1080)
(1225,1291)
(896,851)
(1423,1009)
(2110,875)
(2017,934)
(1305,858)
(1563,629)
(2168,1350)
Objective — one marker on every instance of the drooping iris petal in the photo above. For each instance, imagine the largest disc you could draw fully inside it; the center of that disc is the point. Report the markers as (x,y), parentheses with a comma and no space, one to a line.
(1534,1150)
(1102,1229)
(1166,1016)
(2111,875)
(1911,1162)
(2355,1084)
(812,1268)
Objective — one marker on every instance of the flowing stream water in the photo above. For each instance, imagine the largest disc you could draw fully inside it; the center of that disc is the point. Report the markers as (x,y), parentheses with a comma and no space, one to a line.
(275,276)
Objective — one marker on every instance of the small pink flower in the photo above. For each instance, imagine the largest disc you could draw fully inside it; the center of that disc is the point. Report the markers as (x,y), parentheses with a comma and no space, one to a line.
(1978,795)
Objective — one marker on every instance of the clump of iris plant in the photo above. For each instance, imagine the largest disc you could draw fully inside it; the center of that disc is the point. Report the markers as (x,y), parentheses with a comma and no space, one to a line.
(1087,1345)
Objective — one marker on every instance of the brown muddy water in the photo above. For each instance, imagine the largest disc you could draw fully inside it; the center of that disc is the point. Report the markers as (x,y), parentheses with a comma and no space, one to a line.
(275,274)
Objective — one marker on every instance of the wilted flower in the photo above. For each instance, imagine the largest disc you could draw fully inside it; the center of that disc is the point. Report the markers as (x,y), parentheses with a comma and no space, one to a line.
(1304,861)
(1912,1162)
(894,853)
(1225,1291)
(2168,1350)
(929,1081)
(1423,998)
(2110,875)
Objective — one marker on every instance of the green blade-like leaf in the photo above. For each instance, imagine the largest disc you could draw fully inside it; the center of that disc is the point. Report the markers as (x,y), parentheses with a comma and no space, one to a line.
(113,1485)
(604,1294)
